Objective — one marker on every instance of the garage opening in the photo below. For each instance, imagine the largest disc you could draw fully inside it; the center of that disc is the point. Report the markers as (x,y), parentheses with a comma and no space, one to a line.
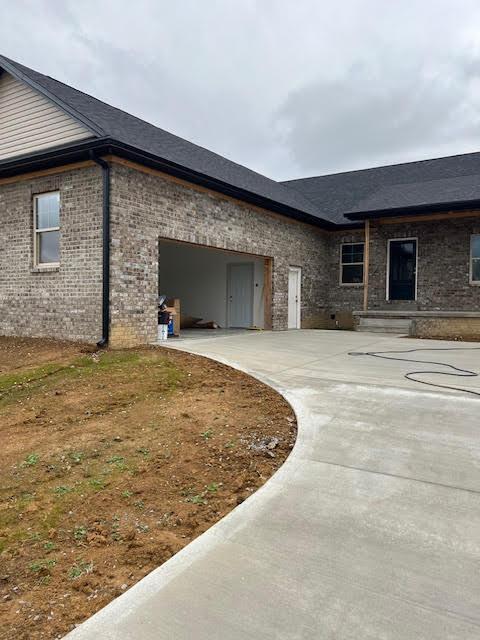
(214,289)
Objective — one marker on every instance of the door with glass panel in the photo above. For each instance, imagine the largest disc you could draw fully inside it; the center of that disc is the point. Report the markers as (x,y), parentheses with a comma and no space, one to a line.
(402,269)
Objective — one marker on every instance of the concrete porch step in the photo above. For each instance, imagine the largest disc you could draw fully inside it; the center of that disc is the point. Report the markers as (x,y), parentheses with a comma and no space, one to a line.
(385,325)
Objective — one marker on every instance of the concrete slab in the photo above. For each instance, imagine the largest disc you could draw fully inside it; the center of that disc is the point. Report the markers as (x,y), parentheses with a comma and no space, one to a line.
(203,334)
(371,529)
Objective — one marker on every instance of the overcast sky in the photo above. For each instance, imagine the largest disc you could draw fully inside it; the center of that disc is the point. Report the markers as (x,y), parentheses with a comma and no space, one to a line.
(290,88)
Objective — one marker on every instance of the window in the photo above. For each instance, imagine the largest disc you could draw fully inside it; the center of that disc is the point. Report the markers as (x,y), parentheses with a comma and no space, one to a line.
(351,263)
(46,207)
(475,260)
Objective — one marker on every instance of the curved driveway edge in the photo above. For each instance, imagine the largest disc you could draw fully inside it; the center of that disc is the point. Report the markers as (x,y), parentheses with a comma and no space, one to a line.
(370,529)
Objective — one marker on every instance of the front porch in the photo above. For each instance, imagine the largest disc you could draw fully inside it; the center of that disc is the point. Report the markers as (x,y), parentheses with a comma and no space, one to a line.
(419,276)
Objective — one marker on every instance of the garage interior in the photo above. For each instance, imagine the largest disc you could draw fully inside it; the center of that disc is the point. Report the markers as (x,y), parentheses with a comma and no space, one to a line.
(229,289)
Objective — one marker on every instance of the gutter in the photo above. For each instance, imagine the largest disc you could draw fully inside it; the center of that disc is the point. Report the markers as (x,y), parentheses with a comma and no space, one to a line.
(83,150)
(103,342)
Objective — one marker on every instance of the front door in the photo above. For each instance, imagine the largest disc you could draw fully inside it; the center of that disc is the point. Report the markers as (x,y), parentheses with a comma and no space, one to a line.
(402,270)
(294,290)
(240,294)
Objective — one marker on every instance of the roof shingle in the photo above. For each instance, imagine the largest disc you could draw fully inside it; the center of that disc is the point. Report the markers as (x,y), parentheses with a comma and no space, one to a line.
(123,127)
(331,198)
(426,182)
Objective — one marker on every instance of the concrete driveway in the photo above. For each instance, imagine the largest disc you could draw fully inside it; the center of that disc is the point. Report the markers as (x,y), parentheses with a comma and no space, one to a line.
(370,530)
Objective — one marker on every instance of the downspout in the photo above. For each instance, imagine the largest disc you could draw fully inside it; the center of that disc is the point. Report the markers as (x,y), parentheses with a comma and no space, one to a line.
(103,342)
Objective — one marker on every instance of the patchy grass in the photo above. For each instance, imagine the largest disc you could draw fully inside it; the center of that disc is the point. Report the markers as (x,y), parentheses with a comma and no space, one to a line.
(79,569)
(31,460)
(15,387)
(111,462)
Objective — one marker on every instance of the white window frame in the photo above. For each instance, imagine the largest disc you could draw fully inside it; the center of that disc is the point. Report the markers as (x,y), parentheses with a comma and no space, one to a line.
(387,287)
(342,264)
(37,232)
(474,283)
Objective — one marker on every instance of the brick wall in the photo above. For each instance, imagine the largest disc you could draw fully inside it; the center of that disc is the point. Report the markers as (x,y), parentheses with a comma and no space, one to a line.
(146,207)
(453,328)
(442,269)
(64,302)
(342,298)
(67,303)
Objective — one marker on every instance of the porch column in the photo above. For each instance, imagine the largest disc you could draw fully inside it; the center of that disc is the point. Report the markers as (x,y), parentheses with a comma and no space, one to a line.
(366,260)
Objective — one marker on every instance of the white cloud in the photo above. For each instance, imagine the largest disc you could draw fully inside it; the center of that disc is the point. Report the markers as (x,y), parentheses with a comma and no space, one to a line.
(287,88)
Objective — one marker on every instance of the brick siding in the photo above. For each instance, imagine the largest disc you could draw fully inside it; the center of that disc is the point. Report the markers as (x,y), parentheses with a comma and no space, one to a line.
(59,303)
(67,302)
(443,268)
(146,207)
(446,327)
(342,299)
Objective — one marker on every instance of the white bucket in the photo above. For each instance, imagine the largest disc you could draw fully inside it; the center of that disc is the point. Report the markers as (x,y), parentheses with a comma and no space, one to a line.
(162,331)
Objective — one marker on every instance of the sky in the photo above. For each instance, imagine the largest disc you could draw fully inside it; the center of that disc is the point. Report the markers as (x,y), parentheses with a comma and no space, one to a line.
(290,88)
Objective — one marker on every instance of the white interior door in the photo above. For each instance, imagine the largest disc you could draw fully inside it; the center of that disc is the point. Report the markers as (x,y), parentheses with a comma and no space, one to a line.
(240,294)
(294,292)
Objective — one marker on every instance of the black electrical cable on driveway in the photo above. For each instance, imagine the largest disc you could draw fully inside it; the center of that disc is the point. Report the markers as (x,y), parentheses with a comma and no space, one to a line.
(454,371)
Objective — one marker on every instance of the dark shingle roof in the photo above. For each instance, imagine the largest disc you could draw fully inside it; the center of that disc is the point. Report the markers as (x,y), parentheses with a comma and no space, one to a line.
(427,182)
(330,198)
(420,194)
(108,121)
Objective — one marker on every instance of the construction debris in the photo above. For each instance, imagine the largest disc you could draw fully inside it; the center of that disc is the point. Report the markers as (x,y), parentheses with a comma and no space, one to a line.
(265,445)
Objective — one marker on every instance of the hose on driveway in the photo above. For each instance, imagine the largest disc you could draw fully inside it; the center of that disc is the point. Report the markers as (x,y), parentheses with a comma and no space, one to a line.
(411,375)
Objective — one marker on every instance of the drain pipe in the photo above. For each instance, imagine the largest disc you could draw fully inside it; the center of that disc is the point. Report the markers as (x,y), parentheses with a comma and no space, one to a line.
(103,342)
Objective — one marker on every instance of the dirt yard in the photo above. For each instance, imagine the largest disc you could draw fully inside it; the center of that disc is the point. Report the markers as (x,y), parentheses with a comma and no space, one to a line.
(112,462)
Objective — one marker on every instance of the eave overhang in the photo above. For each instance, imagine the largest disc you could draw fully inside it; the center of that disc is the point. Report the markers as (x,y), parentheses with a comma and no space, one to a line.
(414,210)
(106,146)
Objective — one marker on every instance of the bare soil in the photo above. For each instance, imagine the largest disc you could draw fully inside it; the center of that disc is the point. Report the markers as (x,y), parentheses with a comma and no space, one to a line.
(112,462)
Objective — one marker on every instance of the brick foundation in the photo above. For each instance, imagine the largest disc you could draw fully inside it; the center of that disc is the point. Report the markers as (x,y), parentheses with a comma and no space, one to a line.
(448,328)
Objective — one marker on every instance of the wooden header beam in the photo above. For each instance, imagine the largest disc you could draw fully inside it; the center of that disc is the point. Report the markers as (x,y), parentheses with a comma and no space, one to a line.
(431,217)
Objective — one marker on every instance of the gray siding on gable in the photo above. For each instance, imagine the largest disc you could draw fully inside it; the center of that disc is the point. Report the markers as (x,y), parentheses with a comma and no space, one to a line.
(30,122)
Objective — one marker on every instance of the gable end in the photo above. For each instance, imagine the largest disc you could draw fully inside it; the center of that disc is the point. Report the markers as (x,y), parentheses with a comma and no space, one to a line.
(29,122)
